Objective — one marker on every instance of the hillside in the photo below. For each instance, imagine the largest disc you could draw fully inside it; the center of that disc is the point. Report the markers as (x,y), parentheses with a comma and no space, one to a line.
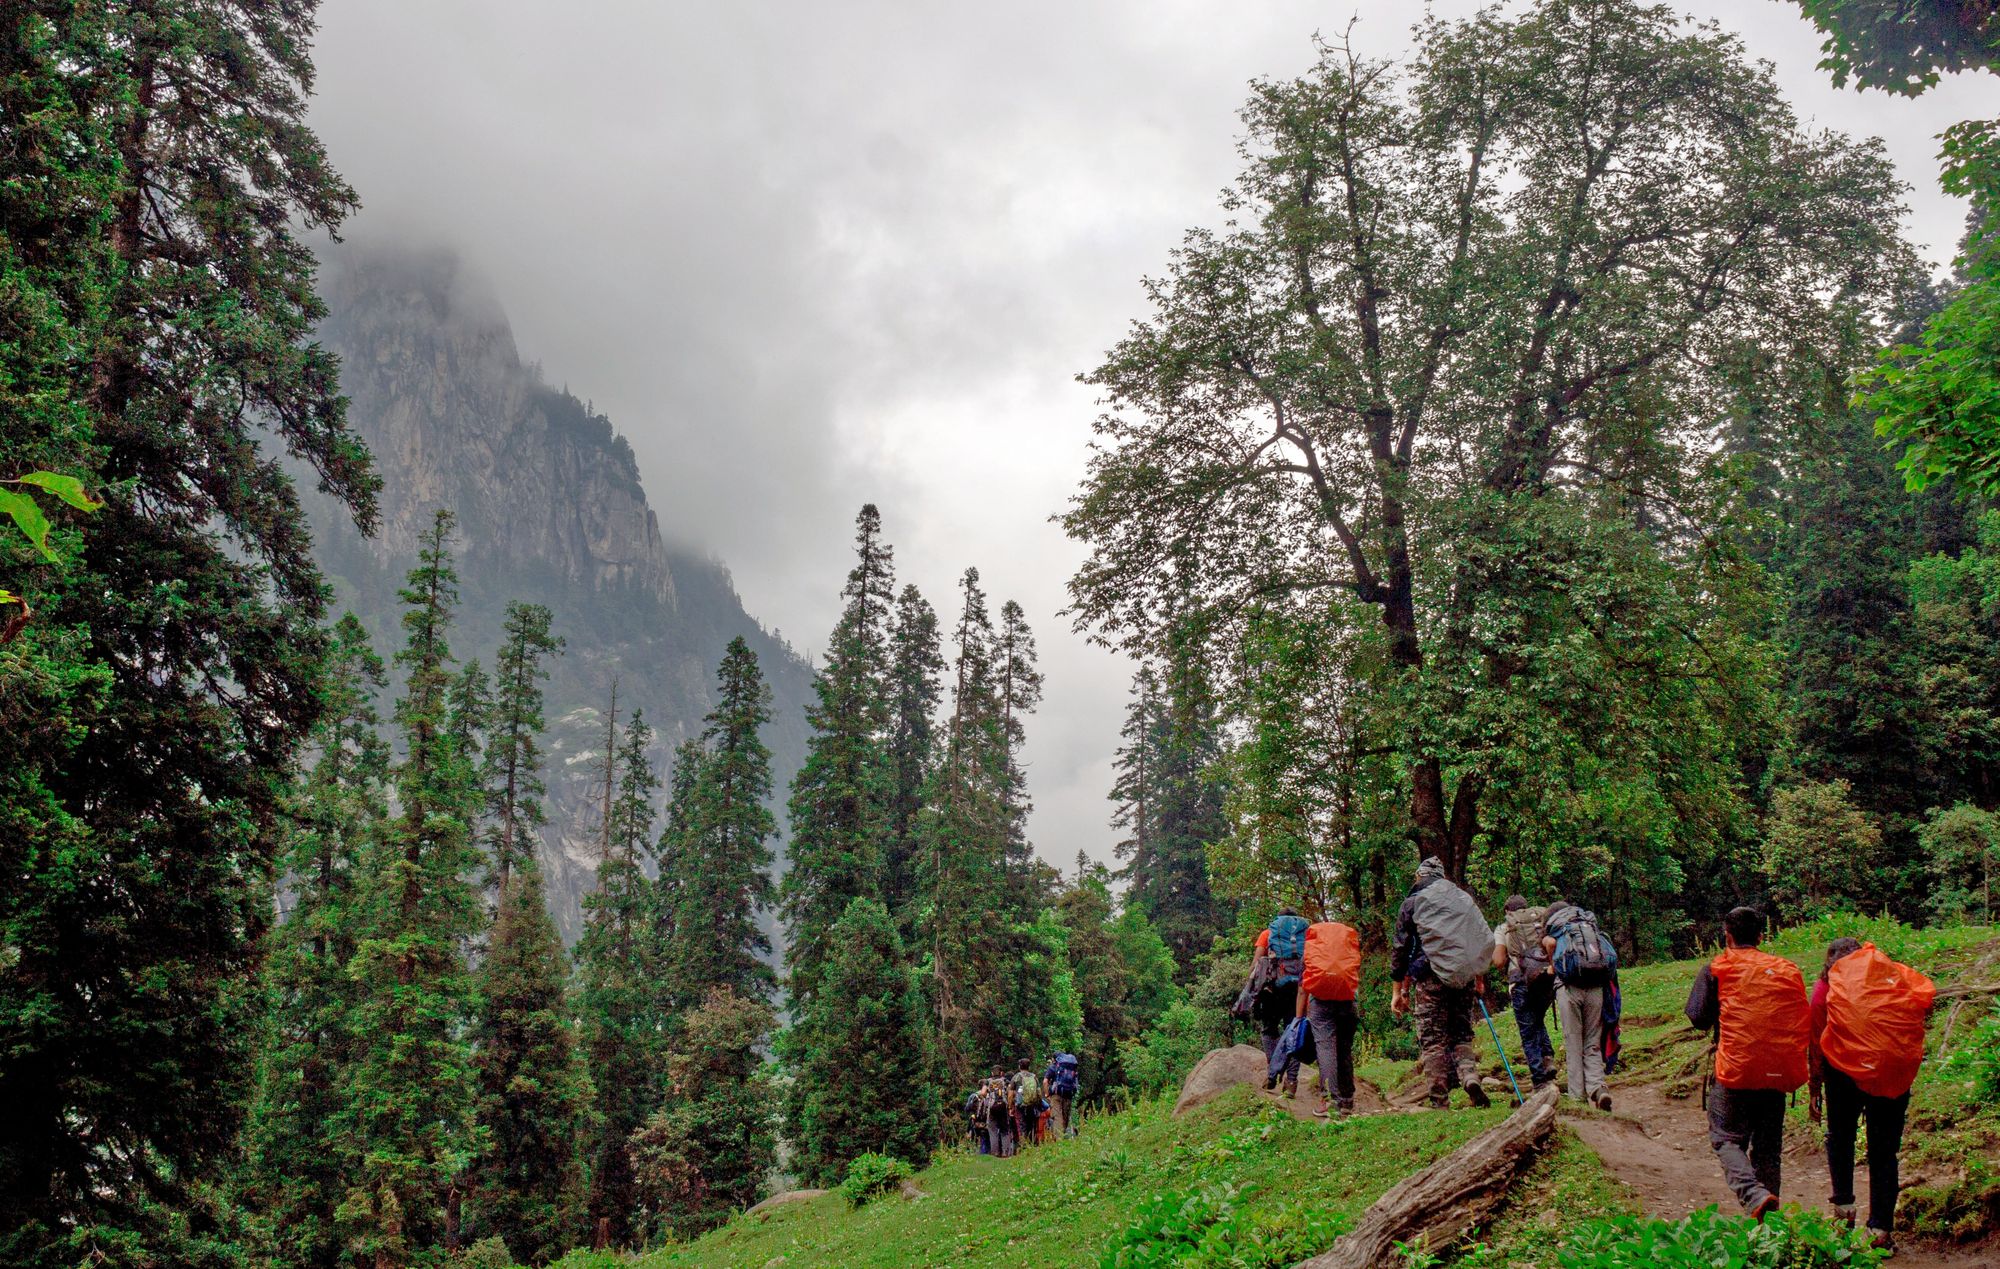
(551,510)
(1252,1184)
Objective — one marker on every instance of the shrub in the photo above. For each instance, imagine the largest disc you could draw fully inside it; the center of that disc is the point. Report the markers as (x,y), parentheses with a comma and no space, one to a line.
(584,1258)
(1158,1061)
(869,1175)
(487,1253)
(1787,1240)
(1206,1229)
(1978,1059)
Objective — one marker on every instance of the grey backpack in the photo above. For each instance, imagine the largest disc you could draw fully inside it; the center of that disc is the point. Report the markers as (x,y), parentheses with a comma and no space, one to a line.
(1456,937)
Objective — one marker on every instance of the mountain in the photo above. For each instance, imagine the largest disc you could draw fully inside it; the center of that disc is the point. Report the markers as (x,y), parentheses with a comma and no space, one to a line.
(551,510)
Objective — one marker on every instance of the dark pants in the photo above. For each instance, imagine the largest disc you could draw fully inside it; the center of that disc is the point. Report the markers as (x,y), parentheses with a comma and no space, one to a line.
(1846,1106)
(1747,1128)
(1275,1011)
(1333,1025)
(1532,1001)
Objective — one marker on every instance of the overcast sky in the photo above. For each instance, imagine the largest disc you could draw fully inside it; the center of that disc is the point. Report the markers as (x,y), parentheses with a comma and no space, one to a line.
(810,255)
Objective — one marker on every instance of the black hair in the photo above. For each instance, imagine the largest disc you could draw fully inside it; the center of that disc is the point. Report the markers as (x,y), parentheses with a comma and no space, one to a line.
(1288,910)
(1515,903)
(1024,1064)
(1836,950)
(1745,926)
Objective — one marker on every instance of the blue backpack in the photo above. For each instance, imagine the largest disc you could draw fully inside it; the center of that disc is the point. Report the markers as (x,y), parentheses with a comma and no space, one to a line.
(1288,948)
(1063,1076)
(1583,956)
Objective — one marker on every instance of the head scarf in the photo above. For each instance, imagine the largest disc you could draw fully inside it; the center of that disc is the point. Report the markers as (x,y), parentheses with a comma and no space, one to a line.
(1432,869)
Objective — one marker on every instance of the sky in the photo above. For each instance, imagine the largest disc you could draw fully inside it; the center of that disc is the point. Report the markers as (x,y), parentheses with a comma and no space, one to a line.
(811,255)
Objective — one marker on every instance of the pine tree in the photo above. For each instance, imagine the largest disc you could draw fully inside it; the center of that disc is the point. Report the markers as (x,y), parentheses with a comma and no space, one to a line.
(1133,791)
(413,1091)
(620,970)
(301,1154)
(171,674)
(705,1153)
(722,869)
(1020,691)
(839,800)
(916,669)
(535,1100)
(513,767)
(858,1053)
(469,708)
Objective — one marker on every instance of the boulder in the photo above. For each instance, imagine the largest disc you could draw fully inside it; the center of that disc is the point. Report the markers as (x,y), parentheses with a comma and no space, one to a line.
(1220,1071)
(789,1196)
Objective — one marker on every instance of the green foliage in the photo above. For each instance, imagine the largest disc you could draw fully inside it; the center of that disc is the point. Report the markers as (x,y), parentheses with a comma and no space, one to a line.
(1793,1239)
(1978,1060)
(487,1253)
(1903,47)
(1820,850)
(1961,847)
(1159,1060)
(916,667)
(872,1175)
(513,759)
(1207,1228)
(1940,397)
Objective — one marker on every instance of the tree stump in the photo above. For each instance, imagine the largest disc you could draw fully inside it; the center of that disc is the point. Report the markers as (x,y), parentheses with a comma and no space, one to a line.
(1449,1197)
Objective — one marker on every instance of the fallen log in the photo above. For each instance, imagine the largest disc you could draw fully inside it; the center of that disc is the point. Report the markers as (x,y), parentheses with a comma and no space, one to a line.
(1441,1203)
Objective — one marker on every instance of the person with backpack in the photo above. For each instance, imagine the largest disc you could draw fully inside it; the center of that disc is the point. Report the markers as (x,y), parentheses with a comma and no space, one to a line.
(999,1114)
(1868,1019)
(1027,1092)
(1062,1079)
(1277,1003)
(1755,1005)
(1329,987)
(1443,948)
(1531,984)
(1582,961)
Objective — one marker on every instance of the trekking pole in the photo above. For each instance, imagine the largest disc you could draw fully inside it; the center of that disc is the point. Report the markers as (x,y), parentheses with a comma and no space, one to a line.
(1495,1032)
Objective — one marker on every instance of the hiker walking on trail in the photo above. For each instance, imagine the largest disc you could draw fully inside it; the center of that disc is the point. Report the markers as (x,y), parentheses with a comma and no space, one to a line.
(1027,1091)
(1061,1080)
(1531,984)
(1329,986)
(1443,947)
(999,1116)
(1284,941)
(1582,961)
(1756,1005)
(1868,1020)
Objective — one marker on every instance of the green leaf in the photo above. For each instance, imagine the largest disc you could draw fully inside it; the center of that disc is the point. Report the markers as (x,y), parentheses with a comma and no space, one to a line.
(30,519)
(68,488)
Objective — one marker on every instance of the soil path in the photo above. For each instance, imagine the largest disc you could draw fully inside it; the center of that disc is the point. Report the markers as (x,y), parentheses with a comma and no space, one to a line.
(1658,1147)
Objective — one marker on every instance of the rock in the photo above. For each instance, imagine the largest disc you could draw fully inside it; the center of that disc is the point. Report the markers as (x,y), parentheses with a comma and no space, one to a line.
(910,1190)
(1218,1072)
(789,1196)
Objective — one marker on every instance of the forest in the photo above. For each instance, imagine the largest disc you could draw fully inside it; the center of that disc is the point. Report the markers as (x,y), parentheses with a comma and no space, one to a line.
(1556,462)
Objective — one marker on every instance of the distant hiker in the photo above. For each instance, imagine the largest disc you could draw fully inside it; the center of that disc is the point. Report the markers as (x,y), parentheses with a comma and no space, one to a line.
(1329,985)
(1868,1020)
(1062,1078)
(1443,946)
(1583,962)
(999,1115)
(1756,1005)
(1531,983)
(1277,1001)
(975,1116)
(1027,1092)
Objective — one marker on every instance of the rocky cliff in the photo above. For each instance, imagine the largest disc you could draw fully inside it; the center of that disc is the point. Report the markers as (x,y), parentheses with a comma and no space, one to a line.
(551,510)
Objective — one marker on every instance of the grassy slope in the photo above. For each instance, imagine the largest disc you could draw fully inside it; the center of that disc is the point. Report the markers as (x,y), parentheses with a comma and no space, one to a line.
(1065,1203)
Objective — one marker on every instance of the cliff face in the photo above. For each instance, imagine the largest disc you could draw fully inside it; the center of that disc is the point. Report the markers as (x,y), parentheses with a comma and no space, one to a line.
(550,510)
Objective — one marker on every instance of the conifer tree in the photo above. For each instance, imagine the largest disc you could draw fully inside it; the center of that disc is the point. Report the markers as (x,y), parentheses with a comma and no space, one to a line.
(513,765)
(301,1154)
(535,1106)
(159,309)
(705,1153)
(840,797)
(916,669)
(1019,683)
(683,787)
(859,1053)
(412,1109)
(469,709)
(723,862)
(619,967)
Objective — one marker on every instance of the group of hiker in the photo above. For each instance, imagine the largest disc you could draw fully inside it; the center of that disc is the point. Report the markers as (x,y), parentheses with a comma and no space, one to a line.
(1856,1040)
(1007,1111)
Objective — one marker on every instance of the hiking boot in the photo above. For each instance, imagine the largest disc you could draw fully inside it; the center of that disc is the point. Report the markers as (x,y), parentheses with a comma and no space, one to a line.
(1323,1113)
(1765,1208)
(1844,1214)
(1270,1082)
(1601,1099)
(1882,1241)
(1476,1091)
(1292,1089)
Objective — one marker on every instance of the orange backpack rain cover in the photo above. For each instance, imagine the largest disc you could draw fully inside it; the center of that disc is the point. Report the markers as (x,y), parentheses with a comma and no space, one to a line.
(1332,962)
(1765,1021)
(1875,1012)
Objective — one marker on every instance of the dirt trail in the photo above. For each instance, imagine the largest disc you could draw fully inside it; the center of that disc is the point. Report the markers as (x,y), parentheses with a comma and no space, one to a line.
(1658,1147)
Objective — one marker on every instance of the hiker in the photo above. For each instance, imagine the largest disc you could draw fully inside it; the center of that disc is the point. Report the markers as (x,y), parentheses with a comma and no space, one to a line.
(1868,1020)
(1531,983)
(1061,1081)
(1277,1002)
(975,1116)
(1756,1005)
(1027,1091)
(999,1116)
(1329,987)
(1582,961)
(1442,947)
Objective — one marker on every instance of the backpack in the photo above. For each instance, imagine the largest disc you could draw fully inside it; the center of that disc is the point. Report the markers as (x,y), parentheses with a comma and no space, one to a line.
(1288,947)
(1457,941)
(1524,931)
(1065,1081)
(1761,1041)
(1332,961)
(1583,956)
(1875,1013)
(1027,1089)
